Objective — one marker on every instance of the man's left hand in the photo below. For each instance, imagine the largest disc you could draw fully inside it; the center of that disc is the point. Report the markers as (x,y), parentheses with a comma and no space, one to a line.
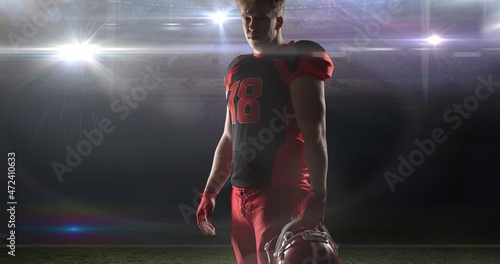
(313,215)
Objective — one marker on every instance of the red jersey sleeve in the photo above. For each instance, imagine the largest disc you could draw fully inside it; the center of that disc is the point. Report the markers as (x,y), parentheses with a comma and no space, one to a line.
(230,71)
(313,60)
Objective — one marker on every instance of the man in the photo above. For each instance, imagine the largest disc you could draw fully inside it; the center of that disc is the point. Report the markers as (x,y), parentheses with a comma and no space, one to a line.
(273,146)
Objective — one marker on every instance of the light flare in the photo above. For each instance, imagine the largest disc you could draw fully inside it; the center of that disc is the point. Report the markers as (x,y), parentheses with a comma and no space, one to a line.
(434,40)
(219,17)
(78,52)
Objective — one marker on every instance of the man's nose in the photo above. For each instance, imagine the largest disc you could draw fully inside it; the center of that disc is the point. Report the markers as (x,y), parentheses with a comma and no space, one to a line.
(252,25)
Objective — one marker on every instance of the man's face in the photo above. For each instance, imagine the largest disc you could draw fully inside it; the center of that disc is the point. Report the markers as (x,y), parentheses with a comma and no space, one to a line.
(260,26)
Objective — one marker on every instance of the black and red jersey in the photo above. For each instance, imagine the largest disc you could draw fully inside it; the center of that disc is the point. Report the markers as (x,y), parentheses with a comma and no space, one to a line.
(268,147)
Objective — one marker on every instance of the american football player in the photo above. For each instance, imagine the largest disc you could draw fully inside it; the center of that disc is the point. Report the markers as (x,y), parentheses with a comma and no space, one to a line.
(273,148)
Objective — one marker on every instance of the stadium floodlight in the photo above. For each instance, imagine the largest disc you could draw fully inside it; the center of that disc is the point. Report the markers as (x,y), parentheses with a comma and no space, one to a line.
(78,52)
(434,40)
(219,17)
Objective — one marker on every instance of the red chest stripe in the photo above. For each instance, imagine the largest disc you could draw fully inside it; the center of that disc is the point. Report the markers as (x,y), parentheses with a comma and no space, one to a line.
(229,78)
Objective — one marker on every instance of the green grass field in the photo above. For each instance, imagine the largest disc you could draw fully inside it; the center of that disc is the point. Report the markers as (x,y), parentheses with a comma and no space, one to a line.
(189,247)
(225,255)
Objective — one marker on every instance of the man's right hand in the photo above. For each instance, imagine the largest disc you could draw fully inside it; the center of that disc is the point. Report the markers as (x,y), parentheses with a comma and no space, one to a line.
(204,213)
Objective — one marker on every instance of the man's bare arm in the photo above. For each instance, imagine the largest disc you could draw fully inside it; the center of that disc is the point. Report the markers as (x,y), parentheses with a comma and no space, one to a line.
(308,99)
(221,165)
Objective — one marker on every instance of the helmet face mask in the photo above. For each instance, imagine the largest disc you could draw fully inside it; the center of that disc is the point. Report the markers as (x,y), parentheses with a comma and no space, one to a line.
(303,247)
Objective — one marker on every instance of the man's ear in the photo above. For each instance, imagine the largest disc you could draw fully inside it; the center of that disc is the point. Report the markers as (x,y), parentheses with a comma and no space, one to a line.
(279,22)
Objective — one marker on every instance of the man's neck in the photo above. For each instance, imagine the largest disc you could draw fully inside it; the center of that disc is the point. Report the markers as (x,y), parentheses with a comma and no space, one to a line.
(278,41)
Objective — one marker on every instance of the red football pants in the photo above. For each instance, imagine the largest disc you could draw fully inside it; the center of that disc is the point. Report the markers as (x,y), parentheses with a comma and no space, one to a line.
(258,215)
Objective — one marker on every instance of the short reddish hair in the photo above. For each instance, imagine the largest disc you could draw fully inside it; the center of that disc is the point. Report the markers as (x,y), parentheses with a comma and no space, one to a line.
(278,5)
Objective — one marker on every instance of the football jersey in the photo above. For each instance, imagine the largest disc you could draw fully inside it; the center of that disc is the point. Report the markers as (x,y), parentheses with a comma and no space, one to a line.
(268,147)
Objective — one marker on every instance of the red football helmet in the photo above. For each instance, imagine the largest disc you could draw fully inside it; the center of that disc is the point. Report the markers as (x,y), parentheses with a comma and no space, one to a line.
(303,247)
